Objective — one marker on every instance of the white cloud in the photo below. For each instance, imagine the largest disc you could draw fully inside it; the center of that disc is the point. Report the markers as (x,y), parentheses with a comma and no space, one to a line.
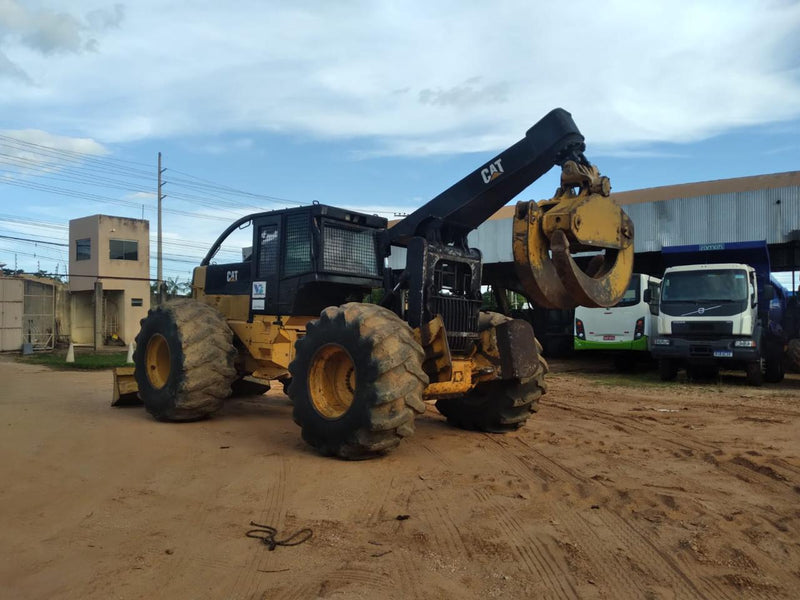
(33,151)
(52,31)
(221,147)
(140,196)
(410,78)
(56,142)
(11,70)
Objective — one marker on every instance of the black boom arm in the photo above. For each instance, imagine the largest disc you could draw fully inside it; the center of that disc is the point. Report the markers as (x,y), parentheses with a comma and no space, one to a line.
(451,215)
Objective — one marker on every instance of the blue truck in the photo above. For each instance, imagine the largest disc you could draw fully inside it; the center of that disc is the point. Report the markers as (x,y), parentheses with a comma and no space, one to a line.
(719,307)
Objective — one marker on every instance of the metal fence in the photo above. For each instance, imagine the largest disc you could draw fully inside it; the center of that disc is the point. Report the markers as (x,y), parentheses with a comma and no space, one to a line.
(38,317)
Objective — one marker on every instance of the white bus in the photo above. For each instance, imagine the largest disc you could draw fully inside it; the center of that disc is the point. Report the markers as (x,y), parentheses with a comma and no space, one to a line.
(627,328)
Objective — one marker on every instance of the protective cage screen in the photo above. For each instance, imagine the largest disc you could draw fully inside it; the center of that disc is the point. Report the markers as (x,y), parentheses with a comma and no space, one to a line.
(297,259)
(349,250)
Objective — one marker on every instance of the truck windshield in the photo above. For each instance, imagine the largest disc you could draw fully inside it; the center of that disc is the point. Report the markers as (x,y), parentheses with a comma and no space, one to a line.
(704,286)
(631,297)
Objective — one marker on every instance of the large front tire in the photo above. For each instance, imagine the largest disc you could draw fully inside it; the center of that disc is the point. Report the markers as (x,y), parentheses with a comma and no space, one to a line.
(184,361)
(357,381)
(497,406)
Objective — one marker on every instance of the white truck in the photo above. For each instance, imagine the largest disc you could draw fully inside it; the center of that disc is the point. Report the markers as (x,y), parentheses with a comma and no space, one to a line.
(719,315)
(624,331)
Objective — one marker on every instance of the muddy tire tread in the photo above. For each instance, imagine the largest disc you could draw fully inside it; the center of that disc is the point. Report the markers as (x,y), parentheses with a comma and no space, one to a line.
(206,370)
(497,406)
(390,380)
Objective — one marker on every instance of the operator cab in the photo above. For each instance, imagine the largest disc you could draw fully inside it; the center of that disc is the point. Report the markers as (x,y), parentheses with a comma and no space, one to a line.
(301,260)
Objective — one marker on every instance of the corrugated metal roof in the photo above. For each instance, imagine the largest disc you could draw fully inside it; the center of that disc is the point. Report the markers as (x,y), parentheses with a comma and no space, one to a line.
(769,214)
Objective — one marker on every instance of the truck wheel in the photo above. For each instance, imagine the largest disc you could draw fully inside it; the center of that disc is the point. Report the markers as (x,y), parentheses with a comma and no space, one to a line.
(793,354)
(755,375)
(497,406)
(184,361)
(667,369)
(357,381)
(773,364)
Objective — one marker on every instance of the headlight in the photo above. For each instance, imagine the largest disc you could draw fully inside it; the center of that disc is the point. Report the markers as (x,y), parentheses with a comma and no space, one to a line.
(638,330)
(662,342)
(745,343)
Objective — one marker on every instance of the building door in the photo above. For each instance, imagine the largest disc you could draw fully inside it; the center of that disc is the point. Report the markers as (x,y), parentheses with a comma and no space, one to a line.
(11,296)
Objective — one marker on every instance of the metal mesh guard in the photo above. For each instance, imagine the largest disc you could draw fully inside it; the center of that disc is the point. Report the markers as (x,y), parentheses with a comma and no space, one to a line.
(350,251)
(297,259)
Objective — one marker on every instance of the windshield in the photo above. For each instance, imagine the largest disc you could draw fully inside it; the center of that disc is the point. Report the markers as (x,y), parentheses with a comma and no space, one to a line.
(704,286)
(631,297)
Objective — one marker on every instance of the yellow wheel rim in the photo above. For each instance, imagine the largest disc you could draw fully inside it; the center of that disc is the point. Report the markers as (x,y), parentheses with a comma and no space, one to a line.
(332,381)
(157,361)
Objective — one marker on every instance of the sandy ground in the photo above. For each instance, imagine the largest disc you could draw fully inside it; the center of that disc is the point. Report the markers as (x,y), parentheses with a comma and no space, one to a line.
(614,490)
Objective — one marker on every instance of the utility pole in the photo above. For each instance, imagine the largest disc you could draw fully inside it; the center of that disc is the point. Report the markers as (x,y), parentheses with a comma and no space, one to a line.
(161,196)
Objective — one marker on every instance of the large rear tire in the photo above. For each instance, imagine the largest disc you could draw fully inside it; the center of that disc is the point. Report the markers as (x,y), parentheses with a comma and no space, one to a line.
(497,406)
(357,381)
(184,361)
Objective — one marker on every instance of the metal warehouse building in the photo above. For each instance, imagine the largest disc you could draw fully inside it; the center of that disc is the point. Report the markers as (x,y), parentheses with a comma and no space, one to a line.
(764,207)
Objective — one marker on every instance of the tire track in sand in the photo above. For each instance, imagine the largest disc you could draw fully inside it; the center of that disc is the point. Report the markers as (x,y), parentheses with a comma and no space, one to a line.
(738,466)
(642,540)
(585,532)
(532,461)
(533,553)
(273,513)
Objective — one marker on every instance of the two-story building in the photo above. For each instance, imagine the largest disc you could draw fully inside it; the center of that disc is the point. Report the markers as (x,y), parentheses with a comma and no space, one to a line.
(109,271)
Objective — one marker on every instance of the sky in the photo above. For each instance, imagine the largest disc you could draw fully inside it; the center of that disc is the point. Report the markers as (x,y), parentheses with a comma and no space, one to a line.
(373,105)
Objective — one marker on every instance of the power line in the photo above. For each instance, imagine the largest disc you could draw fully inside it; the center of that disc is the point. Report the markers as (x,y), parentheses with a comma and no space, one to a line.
(200,247)
(9,237)
(91,170)
(53,159)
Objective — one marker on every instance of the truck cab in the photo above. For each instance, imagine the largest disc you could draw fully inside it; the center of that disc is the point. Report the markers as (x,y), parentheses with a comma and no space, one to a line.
(713,316)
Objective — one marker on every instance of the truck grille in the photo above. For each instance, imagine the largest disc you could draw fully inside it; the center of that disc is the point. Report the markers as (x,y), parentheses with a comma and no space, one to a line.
(700,329)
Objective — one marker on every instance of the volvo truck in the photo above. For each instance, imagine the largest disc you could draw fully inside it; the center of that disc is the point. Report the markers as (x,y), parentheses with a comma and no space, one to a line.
(721,311)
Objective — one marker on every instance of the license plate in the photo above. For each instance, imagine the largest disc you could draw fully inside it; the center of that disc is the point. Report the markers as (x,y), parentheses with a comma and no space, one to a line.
(723,353)
(609,337)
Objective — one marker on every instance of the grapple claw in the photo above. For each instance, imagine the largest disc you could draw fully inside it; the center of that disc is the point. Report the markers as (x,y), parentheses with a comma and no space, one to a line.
(605,280)
(582,220)
(535,269)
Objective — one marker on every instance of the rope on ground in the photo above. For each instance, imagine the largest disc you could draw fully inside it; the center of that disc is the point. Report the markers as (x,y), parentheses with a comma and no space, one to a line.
(267,534)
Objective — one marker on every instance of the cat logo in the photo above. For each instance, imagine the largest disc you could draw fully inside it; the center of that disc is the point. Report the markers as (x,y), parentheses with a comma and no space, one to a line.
(232,276)
(492,172)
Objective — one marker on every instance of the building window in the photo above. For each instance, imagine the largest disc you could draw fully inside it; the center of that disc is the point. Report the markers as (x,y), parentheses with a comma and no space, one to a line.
(83,249)
(123,250)
(136,302)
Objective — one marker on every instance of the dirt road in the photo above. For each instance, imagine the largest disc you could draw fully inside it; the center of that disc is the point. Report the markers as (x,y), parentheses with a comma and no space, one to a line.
(618,489)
